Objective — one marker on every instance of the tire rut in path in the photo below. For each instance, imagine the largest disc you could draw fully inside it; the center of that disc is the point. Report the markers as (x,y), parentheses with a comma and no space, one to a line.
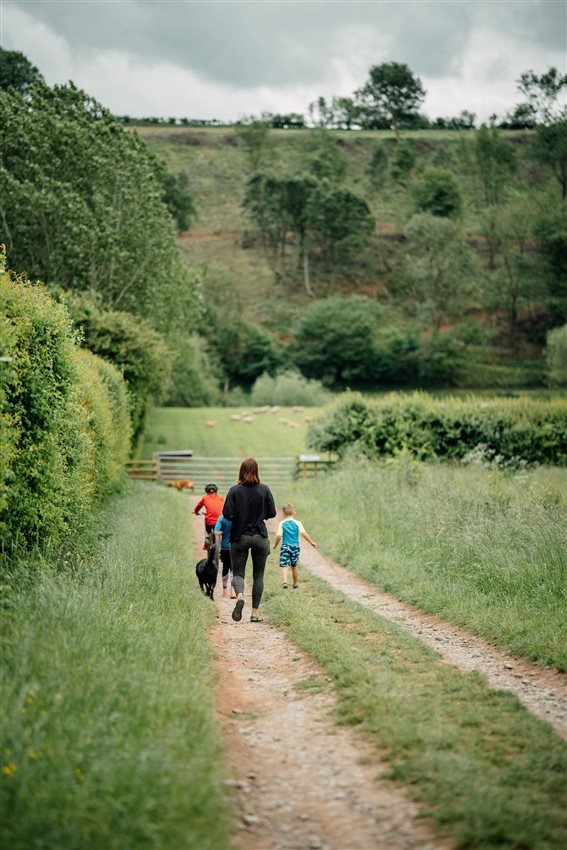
(300,780)
(542,691)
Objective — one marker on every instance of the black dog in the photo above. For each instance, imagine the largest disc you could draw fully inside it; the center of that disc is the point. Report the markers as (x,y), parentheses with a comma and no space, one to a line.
(207,569)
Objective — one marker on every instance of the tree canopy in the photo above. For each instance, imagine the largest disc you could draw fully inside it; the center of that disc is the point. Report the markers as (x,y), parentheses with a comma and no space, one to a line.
(81,205)
(17,72)
(392,94)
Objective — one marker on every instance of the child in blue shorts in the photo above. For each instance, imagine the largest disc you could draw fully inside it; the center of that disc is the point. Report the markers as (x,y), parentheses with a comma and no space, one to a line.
(288,533)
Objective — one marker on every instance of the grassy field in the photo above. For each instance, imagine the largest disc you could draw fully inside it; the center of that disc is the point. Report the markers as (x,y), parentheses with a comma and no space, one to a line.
(109,733)
(483,549)
(171,428)
(490,774)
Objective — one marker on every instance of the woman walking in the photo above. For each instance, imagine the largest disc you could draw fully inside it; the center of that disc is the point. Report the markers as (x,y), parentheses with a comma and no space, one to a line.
(247,505)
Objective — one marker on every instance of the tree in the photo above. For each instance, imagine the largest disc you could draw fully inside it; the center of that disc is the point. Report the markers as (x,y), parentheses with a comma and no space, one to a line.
(550,148)
(556,357)
(347,113)
(439,193)
(321,113)
(439,264)
(496,161)
(179,200)
(337,221)
(17,72)
(278,205)
(377,169)
(403,162)
(333,340)
(550,231)
(543,94)
(257,144)
(246,351)
(326,160)
(393,93)
(512,275)
(81,205)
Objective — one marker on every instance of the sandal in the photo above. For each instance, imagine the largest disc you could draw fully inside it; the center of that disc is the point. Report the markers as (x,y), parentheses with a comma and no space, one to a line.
(295,586)
(237,613)
(254,618)
(284,585)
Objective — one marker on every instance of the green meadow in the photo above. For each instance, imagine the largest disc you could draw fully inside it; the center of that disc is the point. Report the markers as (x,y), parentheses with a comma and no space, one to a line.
(170,428)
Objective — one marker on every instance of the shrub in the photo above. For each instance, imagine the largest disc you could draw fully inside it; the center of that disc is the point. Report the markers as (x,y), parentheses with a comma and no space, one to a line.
(526,430)
(439,193)
(556,357)
(65,420)
(104,398)
(403,161)
(136,349)
(287,389)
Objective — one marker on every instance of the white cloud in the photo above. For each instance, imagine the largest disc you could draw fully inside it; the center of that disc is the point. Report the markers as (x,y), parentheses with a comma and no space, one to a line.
(480,77)
(486,79)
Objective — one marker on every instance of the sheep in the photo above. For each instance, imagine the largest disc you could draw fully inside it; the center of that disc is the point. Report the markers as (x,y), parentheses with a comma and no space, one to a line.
(235,417)
(210,423)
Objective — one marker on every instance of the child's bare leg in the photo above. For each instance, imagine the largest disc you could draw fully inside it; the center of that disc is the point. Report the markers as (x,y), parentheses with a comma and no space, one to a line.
(284,575)
(295,575)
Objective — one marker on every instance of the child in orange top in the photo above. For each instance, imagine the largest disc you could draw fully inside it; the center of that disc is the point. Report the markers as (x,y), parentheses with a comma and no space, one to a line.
(212,503)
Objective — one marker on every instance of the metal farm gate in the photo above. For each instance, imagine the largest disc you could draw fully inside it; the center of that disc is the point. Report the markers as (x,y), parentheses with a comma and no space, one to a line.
(180,465)
(173,466)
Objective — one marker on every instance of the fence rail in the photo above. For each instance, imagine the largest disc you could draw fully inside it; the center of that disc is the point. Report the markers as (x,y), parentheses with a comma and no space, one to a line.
(177,466)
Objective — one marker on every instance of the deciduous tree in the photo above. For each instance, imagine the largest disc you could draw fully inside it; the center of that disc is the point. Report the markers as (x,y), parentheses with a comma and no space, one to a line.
(393,93)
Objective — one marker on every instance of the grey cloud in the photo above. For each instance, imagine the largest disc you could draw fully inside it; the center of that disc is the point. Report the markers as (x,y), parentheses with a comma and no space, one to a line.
(248,44)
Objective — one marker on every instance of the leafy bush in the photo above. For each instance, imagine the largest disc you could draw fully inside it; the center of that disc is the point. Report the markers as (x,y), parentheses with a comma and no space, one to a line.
(104,399)
(556,357)
(287,389)
(527,430)
(438,192)
(65,431)
(333,340)
(135,348)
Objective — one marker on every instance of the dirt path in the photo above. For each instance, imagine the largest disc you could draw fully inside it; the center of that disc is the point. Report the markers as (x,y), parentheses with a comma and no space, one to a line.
(543,692)
(301,781)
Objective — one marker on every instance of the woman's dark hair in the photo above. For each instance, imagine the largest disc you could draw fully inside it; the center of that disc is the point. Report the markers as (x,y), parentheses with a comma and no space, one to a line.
(249,471)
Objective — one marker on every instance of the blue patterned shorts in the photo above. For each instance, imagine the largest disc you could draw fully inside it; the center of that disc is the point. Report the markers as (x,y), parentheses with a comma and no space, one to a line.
(289,555)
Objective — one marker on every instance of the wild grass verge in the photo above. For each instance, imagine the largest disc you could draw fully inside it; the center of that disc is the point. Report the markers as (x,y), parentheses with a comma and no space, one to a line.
(482,548)
(491,775)
(108,736)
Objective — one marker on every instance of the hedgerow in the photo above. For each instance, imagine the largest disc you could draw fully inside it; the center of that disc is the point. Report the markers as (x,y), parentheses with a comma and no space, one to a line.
(65,429)
(522,430)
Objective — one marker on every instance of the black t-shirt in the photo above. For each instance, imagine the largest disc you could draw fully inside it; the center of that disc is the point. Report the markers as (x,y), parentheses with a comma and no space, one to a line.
(247,506)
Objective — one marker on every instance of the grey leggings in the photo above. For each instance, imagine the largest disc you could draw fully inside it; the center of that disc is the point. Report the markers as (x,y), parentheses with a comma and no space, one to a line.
(259,548)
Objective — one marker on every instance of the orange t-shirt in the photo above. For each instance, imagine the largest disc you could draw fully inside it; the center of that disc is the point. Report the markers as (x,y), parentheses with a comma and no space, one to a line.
(212,503)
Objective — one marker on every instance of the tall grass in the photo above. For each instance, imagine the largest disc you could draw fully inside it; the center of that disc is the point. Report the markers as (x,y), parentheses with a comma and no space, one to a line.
(109,737)
(484,549)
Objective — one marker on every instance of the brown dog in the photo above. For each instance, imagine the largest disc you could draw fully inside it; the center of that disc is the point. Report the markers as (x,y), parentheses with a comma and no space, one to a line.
(184,484)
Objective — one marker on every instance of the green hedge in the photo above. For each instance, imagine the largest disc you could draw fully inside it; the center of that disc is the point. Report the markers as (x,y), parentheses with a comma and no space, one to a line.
(65,428)
(507,430)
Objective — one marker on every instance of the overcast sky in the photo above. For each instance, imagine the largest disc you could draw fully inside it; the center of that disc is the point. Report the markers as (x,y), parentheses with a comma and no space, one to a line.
(229,58)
